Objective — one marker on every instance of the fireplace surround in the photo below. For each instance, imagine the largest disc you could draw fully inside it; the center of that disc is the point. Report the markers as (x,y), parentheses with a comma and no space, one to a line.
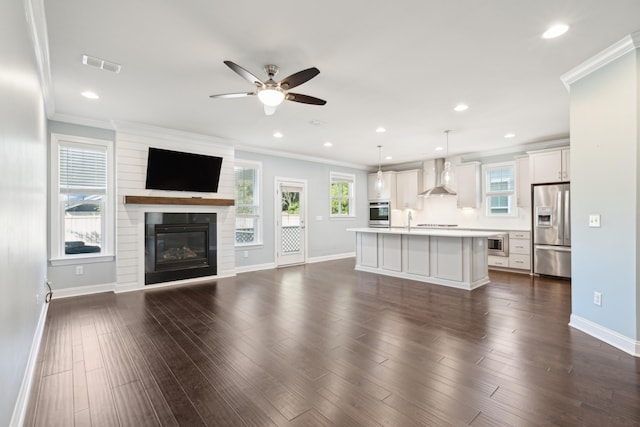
(179,246)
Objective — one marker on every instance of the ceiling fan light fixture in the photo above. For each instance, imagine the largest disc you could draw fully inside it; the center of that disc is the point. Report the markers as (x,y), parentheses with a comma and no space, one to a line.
(271,97)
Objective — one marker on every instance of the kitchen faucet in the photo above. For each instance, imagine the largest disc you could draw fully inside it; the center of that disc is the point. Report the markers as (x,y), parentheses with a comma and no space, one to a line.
(409,217)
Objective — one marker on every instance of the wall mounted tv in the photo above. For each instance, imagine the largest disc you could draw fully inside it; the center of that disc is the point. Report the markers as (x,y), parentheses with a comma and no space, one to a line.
(178,171)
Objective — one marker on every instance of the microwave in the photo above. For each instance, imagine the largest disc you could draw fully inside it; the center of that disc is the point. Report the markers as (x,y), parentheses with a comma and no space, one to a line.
(380,214)
(498,245)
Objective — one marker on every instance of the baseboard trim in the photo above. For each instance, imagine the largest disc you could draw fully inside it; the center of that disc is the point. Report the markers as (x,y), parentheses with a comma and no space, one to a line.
(330,257)
(20,410)
(83,290)
(611,337)
(255,267)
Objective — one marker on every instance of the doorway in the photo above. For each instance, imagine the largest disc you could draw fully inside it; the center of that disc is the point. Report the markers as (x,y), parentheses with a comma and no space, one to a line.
(290,220)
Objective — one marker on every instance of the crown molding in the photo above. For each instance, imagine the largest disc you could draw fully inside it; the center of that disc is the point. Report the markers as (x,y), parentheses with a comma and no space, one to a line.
(627,44)
(82,121)
(37,25)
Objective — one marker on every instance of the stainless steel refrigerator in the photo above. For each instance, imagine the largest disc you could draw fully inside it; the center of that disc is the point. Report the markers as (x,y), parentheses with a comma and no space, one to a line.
(552,230)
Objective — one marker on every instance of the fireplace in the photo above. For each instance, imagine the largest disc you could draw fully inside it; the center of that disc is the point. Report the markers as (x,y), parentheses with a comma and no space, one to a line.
(179,246)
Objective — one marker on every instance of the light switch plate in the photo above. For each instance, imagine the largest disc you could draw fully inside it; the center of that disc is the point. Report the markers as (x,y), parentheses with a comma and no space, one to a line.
(594,220)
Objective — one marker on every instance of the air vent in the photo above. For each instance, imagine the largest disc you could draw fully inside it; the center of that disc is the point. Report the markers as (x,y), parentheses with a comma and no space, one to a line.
(101,63)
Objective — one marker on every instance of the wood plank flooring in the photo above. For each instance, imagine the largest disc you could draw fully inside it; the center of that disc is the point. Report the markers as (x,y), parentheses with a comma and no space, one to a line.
(324,345)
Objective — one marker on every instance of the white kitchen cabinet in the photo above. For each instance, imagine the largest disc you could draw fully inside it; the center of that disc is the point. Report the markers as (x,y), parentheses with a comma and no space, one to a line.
(498,261)
(523,182)
(549,166)
(408,185)
(520,250)
(468,185)
(388,189)
(566,164)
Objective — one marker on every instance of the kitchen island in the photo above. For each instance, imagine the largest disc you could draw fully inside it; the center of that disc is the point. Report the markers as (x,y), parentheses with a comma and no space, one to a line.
(449,257)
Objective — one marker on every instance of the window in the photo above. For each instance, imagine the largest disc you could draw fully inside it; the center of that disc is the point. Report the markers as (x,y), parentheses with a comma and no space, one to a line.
(82,210)
(499,189)
(247,194)
(342,195)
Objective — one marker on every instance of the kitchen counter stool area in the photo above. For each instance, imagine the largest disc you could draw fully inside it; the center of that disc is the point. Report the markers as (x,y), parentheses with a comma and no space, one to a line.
(454,258)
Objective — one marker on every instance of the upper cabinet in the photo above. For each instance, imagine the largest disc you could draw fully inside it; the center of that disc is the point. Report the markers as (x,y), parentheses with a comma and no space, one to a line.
(523,182)
(387,191)
(408,185)
(549,166)
(468,185)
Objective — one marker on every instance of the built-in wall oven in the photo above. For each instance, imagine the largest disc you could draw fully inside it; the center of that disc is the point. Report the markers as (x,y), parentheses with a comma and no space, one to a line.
(380,214)
(498,245)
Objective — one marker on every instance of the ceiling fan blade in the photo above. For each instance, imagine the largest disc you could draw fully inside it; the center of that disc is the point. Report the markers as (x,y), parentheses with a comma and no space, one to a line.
(305,99)
(298,78)
(233,95)
(244,73)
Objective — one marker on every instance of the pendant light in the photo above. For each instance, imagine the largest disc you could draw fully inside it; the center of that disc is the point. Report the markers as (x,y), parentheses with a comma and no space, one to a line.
(447,173)
(379,179)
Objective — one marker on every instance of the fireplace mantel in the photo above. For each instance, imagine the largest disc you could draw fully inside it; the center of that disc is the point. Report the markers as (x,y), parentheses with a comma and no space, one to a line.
(153,200)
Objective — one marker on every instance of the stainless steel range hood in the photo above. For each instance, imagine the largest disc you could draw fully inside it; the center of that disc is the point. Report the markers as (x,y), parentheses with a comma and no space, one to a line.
(440,189)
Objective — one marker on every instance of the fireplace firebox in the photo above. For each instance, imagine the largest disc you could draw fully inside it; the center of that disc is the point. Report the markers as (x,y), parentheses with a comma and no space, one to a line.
(179,246)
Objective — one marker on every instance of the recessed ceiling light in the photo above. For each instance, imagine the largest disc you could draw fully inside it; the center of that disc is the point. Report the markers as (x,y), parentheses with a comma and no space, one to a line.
(510,135)
(439,148)
(328,144)
(278,135)
(555,30)
(90,95)
(388,158)
(461,107)
(381,130)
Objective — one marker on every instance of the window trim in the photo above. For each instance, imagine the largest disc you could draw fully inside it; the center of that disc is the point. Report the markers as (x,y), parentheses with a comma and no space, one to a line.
(488,194)
(351,178)
(56,250)
(252,164)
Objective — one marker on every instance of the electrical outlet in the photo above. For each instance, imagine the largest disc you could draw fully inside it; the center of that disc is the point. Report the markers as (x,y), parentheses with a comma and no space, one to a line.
(37,299)
(318,217)
(245,254)
(79,270)
(597,298)
(594,220)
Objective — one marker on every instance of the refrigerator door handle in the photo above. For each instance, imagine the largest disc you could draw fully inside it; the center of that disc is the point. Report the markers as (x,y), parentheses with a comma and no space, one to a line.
(567,218)
(560,217)
(553,248)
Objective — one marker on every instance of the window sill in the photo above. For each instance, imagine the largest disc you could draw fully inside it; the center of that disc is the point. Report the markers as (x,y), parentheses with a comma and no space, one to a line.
(249,246)
(81,259)
(342,218)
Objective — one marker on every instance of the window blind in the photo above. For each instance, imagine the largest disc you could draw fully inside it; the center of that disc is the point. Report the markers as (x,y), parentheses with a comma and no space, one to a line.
(82,169)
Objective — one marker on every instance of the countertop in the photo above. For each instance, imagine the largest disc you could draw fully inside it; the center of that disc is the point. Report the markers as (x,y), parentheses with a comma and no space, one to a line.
(443,232)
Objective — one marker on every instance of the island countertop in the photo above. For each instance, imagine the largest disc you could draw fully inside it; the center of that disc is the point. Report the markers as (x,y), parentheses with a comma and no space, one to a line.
(440,232)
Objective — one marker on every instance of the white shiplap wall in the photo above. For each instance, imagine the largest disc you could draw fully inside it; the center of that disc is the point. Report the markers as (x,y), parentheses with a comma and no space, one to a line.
(131,163)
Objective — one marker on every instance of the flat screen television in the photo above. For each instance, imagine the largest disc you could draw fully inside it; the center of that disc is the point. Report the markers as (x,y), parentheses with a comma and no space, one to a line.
(178,171)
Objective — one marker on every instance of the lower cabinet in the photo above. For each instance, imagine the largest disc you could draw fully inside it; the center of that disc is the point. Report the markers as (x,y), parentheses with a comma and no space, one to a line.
(519,253)
(520,250)
(498,261)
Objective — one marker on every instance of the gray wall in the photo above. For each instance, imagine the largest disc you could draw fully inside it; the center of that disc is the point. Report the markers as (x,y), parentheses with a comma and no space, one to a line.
(23,195)
(98,273)
(326,237)
(604,180)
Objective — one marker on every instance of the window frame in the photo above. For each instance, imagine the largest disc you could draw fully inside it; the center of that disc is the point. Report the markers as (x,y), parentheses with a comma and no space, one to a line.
(258,191)
(512,206)
(57,255)
(351,180)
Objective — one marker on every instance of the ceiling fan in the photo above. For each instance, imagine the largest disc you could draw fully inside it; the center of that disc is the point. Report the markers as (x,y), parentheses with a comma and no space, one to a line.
(272,93)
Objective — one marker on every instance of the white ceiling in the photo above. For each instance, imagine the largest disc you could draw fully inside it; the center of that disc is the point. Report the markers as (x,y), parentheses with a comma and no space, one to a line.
(403,65)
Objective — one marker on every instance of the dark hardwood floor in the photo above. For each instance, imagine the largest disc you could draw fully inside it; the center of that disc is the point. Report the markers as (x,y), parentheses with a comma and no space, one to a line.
(324,345)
